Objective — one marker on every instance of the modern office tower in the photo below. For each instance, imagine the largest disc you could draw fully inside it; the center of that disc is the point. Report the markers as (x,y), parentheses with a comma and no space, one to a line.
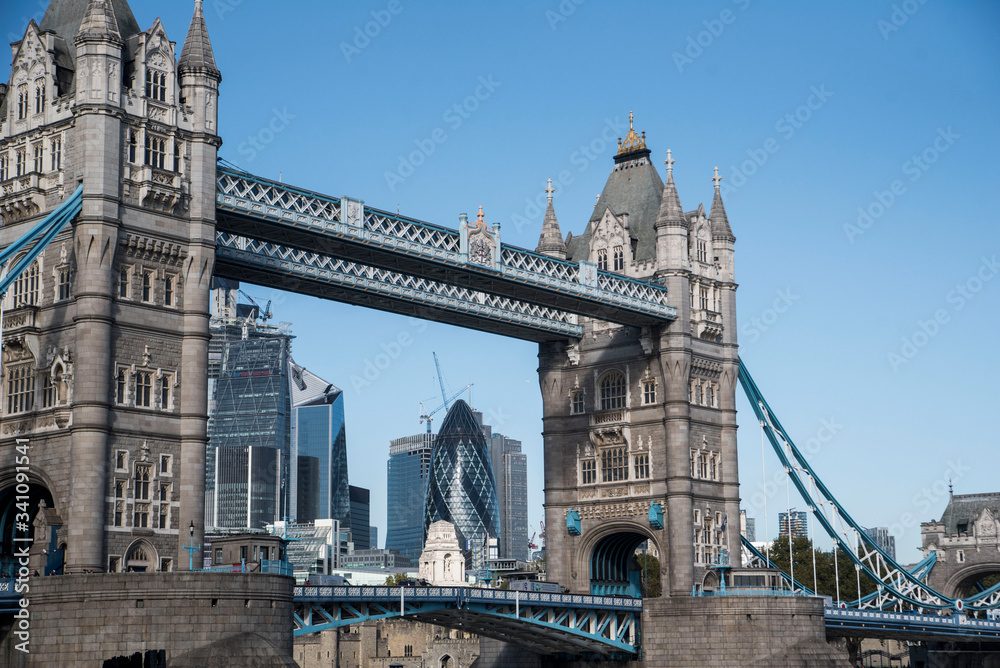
(373,536)
(883,539)
(748,527)
(406,478)
(360,518)
(461,487)
(248,455)
(510,467)
(318,483)
(314,547)
(795,522)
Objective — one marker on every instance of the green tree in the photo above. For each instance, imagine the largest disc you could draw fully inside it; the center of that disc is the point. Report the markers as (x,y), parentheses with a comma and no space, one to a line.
(826,572)
(394,579)
(991,580)
(649,569)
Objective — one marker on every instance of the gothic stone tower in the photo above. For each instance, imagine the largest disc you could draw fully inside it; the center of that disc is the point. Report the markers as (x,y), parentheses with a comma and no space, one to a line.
(105,337)
(640,425)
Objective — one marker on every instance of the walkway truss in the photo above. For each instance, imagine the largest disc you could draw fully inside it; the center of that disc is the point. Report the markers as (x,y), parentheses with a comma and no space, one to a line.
(897,587)
(541,623)
(338,248)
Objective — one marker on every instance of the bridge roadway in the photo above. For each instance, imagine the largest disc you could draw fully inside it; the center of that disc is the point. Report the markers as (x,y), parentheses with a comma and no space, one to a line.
(311,242)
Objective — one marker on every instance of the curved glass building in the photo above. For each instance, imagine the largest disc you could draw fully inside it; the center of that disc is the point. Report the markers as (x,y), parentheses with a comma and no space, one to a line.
(461,487)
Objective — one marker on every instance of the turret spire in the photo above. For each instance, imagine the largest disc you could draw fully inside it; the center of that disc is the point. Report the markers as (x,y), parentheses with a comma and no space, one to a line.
(717,217)
(99,22)
(670,204)
(197,52)
(550,241)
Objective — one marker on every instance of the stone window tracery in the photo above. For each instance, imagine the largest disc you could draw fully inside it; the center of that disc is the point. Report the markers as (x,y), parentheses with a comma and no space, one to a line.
(577,404)
(602,259)
(588,471)
(39,96)
(20,388)
(641,462)
(156,151)
(156,85)
(614,464)
(612,390)
(56,159)
(619,258)
(24,292)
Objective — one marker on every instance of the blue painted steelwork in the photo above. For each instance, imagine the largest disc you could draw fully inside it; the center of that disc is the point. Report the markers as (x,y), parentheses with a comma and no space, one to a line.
(897,585)
(907,626)
(546,623)
(44,232)
(277,213)
(656,516)
(573,522)
(758,558)
(613,569)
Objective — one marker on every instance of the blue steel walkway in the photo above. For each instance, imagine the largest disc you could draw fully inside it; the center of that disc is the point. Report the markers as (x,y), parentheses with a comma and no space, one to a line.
(542,623)
(907,626)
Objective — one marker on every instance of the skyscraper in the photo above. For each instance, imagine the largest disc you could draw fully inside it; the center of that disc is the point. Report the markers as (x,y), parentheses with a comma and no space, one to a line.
(883,539)
(360,518)
(748,527)
(407,471)
(510,467)
(461,487)
(795,522)
(318,486)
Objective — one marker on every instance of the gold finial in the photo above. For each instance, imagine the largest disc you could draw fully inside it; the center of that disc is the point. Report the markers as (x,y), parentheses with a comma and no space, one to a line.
(669,162)
(716,178)
(632,141)
(479,216)
(549,191)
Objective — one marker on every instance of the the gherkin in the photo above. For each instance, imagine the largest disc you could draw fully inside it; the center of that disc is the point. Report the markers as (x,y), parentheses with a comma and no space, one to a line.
(461,487)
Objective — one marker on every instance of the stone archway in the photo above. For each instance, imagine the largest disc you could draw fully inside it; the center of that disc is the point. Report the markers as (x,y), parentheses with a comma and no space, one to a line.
(16,501)
(614,570)
(969,581)
(446,662)
(140,557)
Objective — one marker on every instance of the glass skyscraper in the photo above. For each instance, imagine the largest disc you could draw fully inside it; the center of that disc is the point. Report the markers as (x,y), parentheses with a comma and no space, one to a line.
(318,485)
(361,518)
(461,487)
(407,471)
(510,467)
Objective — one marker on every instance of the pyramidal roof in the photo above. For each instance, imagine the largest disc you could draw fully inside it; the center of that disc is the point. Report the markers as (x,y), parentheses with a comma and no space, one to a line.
(550,241)
(65,17)
(634,187)
(718,218)
(197,51)
(671,210)
(965,509)
(308,389)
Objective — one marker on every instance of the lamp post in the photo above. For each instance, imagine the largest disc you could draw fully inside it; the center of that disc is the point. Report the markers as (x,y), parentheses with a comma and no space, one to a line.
(191,548)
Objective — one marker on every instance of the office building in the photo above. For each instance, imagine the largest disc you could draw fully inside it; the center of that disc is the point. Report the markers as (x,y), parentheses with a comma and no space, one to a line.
(360,518)
(318,485)
(748,527)
(510,467)
(795,522)
(314,547)
(884,540)
(461,487)
(375,559)
(407,471)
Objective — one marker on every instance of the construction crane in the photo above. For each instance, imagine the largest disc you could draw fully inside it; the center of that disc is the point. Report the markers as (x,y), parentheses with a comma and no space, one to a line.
(531,542)
(428,417)
(444,392)
(266,315)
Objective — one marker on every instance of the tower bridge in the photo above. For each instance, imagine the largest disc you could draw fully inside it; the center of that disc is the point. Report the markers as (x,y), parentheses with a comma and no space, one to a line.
(105,331)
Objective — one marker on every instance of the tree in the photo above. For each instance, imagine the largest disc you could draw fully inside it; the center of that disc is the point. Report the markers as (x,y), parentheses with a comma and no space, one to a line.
(394,579)
(649,570)
(826,580)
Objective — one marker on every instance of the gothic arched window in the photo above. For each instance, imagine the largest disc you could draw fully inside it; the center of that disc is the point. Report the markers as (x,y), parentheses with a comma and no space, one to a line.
(602,259)
(25,289)
(612,391)
(619,258)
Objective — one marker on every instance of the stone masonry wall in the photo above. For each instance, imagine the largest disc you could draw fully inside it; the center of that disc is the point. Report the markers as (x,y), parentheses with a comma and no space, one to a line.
(81,620)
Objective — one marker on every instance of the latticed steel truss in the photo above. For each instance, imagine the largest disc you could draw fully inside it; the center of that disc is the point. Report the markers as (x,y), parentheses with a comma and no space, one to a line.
(265,210)
(896,585)
(321,275)
(543,623)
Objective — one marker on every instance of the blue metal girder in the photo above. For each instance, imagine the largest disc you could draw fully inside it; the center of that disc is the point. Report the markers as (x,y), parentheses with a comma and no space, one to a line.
(310,273)
(907,626)
(270,211)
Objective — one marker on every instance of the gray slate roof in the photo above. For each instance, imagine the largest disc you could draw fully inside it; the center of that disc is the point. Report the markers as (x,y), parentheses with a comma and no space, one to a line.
(64,17)
(636,191)
(966,509)
(197,51)
(550,240)
(719,219)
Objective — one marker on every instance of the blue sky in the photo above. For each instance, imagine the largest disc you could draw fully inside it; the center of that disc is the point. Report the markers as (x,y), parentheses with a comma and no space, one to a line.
(857,143)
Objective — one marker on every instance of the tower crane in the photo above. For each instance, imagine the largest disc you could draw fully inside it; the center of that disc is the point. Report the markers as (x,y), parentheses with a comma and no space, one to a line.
(444,392)
(428,417)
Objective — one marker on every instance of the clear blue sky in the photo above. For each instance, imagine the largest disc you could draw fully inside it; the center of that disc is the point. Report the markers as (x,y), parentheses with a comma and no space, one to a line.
(715,82)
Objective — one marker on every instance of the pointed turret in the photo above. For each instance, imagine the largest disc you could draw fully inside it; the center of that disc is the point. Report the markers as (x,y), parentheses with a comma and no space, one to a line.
(99,22)
(671,212)
(550,241)
(717,217)
(197,52)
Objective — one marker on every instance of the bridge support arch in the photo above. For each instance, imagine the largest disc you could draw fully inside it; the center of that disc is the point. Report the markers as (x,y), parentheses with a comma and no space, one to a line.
(29,509)
(606,562)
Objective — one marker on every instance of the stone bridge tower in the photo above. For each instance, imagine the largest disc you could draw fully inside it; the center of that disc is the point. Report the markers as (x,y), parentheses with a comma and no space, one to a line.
(105,336)
(640,425)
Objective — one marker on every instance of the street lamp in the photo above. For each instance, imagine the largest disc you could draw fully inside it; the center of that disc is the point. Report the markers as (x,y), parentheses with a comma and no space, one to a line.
(191,548)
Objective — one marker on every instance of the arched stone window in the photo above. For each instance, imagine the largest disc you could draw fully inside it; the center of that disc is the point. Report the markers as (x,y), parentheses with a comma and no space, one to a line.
(612,391)
(24,292)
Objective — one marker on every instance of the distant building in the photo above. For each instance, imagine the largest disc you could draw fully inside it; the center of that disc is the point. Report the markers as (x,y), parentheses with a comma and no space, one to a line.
(373,531)
(461,488)
(884,540)
(315,547)
(406,477)
(795,522)
(441,562)
(510,467)
(966,541)
(748,527)
(318,485)
(360,517)
(375,559)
